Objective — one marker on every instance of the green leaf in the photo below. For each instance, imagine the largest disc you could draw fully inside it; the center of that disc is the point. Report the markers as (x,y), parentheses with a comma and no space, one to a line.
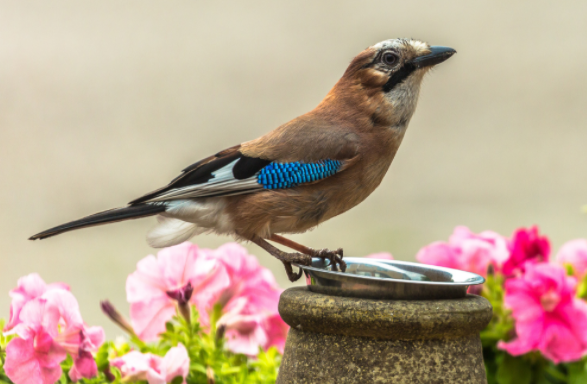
(582,288)
(102,355)
(198,368)
(577,372)
(569,269)
(169,326)
(177,380)
(513,370)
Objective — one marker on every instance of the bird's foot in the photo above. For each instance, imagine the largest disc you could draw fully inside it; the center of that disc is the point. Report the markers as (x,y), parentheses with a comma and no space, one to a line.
(294,258)
(291,275)
(286,258)
(335,258)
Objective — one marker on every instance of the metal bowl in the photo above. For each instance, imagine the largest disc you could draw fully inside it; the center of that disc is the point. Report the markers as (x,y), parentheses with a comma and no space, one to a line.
(388,279)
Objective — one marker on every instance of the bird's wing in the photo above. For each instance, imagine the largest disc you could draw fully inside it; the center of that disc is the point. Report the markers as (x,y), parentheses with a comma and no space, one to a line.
(231,172)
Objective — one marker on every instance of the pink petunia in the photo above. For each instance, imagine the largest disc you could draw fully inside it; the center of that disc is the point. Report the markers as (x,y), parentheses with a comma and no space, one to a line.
(466,251)
(248,304)
(526,247)
(28,288)
(246,329)
(80,347)
(50,326)
(74,336)
(180,273)
(35,357)
(276,332)
(244,273)
(548,318)
(574,253)
(155,369)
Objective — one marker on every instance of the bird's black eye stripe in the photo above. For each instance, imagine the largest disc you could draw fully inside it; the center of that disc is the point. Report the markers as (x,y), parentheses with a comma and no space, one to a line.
(399,76)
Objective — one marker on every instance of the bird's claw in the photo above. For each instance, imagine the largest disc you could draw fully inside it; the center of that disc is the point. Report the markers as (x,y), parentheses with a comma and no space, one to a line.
(291,275)
(335,258)
(295,258)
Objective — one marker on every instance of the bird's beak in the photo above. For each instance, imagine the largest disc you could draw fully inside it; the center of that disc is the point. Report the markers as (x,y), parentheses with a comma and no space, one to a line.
(436,56)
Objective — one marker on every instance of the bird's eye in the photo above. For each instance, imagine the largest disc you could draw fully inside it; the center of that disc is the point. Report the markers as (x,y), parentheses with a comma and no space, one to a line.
(389,58)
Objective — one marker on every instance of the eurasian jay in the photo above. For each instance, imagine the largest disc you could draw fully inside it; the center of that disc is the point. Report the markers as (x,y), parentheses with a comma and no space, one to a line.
(299,175)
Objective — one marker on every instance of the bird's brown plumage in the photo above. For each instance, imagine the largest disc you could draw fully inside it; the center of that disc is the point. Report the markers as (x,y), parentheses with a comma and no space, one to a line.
(359,126)
(354,121)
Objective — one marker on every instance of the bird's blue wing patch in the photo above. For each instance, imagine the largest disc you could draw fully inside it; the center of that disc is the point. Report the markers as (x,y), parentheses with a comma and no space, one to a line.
(228,178)
(289,175)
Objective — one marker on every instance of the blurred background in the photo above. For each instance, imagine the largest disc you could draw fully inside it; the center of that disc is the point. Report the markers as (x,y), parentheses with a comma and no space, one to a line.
(101,102)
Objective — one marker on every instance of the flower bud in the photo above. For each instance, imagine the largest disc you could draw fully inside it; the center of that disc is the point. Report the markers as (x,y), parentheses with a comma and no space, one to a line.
(182,295)
(116,317)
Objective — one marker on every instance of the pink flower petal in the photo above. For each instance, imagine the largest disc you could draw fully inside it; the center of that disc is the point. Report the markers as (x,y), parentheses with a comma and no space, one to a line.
(67,306)
(245,332)
(146,283)
(467,251)
(276,333)
(175,363)
(28,288)
(154,288)
(574,253)
(440,254)
(156,370)
(548,318)
(149,318)
(95,335)
(84,367)
(133,366)
(526,247)
(39,313)
(560,344)
(24,365)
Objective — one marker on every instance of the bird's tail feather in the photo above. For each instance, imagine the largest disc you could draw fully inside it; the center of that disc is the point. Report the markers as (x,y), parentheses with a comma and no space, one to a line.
(110,216)
(171,231)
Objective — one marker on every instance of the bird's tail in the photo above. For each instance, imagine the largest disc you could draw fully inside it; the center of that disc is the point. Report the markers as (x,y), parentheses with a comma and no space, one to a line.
(105,217)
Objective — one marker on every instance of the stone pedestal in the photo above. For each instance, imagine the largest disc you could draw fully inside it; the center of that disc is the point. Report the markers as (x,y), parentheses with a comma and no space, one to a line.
(351,340)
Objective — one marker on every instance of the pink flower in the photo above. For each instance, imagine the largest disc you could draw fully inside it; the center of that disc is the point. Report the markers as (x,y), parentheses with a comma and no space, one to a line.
(34,358)
(246,277)
(276,332)
(179,274)
(380,255)
(245,331)
(466,251)
(574,253)
(155,369)
(49,327)
(250,326)
(77,339)
(548,317)
(526,246)
(28,288)
(80,347)
(248,304)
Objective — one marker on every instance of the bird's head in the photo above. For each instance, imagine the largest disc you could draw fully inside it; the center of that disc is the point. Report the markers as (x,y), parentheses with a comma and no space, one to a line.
(387,76)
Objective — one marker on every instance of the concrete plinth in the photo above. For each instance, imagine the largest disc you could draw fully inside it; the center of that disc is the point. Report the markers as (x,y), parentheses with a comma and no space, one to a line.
(352,340)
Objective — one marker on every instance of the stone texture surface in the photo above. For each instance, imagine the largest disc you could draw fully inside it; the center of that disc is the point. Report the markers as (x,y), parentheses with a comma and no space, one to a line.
(350,340)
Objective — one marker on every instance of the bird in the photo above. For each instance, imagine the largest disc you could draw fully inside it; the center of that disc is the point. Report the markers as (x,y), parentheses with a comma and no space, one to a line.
(295,177)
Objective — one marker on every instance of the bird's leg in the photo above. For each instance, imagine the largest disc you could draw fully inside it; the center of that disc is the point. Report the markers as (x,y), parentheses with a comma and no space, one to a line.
(286,258)
(335,257)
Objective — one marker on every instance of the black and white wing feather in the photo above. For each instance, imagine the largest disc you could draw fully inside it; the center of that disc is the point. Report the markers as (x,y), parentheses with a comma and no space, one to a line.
(231,173)
(227,173)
